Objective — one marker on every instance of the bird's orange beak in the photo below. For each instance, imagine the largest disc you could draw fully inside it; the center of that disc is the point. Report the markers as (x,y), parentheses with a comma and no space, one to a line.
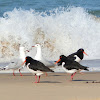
(57,61)
(33,46)
(23,62)
(85,53)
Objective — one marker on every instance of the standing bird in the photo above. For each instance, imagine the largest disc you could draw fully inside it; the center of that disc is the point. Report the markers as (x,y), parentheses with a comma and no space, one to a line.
(40,58)
(71,66)
(77,56)
(16,64)
(36,67)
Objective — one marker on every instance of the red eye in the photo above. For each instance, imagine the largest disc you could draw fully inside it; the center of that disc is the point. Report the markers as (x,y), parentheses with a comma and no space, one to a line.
(82,50)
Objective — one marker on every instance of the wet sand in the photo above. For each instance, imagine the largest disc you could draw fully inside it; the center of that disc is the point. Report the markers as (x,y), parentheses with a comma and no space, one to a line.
(56,86)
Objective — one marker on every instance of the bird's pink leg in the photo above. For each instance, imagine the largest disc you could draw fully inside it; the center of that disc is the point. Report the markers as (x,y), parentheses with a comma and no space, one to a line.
(20,73)
(80,72)
(13,73)
(72,76)
(46,74)
(35,78)
(39,80)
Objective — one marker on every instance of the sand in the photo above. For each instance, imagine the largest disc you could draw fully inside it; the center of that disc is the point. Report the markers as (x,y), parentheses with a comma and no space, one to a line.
(56,86)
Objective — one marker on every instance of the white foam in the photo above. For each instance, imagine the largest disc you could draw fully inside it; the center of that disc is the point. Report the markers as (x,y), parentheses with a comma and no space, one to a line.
(64,31)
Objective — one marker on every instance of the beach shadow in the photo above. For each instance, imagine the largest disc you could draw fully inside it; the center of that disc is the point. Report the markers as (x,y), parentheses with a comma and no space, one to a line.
(56,75)
(17,75)
(84,80)
(29,75)
(49,82)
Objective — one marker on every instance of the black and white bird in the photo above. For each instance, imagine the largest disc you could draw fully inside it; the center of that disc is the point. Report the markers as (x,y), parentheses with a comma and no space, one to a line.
(71,66)
(77,56)
(40,57)
(36,67)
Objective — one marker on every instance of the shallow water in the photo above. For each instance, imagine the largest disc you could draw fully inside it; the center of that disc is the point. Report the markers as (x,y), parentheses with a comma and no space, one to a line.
(94,66)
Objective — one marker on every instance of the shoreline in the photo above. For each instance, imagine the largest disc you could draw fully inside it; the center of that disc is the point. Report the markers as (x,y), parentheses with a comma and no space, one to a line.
(56,86)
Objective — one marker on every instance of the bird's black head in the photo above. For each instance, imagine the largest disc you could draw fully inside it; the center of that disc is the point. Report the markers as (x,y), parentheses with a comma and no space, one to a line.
(80,53)
(28,60)
(62,57)
(81,50)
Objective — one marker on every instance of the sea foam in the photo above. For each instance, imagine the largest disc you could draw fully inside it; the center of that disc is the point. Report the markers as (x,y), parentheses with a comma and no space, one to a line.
(59,31)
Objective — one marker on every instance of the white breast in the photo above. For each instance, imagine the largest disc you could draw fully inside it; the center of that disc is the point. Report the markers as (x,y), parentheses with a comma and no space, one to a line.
(38,73)
(68,71)
(77,58)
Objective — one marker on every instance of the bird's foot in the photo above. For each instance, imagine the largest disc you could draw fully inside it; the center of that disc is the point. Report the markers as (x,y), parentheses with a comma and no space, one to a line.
(46,74)
(13,74)
(71,79)
(21,75)
(35,82)
(81,73)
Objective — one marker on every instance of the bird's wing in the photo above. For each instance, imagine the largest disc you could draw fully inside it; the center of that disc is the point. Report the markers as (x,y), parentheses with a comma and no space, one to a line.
(71,65)
(77,66)
(40,66)
(14,64)
(71,56)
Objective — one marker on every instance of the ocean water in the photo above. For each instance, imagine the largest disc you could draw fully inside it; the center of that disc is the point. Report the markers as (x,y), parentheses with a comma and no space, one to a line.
(60,26)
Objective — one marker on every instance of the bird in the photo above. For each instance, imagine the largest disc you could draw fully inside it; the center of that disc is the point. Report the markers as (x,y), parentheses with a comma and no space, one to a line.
(39,57)
(77,56)
(16,64)
(36,67)
(71,66)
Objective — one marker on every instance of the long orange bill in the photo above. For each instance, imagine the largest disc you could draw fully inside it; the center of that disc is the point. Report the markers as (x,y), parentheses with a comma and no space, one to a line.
(23,62)
(57,61)
(85,53)
(33,46)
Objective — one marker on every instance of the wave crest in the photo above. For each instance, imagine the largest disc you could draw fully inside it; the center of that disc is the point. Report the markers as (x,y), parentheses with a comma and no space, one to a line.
(59,31)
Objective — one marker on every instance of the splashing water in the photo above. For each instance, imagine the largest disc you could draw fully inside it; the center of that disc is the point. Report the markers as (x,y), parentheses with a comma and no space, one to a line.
(59,31)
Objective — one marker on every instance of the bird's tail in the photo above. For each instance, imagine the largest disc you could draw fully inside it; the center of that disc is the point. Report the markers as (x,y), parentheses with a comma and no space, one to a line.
(48,70)
(51,70)
(4,68)
(86,68)
(0,68)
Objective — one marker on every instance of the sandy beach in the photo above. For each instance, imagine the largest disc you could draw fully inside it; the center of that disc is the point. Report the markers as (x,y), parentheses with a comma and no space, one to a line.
(56,86)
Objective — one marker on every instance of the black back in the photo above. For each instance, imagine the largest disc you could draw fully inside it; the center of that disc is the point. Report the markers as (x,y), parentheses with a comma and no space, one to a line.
(70,64)
(79,53)
(36,65)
